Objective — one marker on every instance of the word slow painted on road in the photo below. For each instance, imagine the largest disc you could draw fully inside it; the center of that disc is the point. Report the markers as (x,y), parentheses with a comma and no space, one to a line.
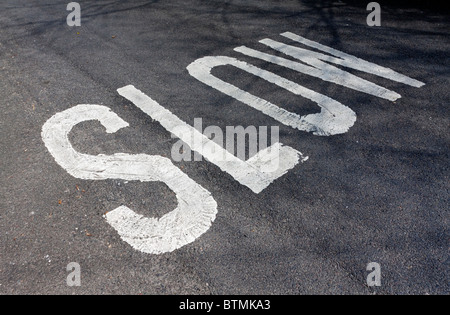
(197,209)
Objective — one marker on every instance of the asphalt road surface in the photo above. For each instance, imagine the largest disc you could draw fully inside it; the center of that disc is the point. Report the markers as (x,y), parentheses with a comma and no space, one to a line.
(376,193)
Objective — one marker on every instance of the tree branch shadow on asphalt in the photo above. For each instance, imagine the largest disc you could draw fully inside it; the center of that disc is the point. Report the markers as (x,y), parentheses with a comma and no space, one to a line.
(90,10)
(427,6)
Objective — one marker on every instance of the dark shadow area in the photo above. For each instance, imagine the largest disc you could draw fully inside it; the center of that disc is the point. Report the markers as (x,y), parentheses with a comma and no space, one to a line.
(432,6)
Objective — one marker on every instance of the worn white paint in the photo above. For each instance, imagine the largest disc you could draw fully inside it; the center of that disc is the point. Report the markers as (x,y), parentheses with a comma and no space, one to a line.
(257,173)
(337,57)
(196,207)
(334,118)
(318,68)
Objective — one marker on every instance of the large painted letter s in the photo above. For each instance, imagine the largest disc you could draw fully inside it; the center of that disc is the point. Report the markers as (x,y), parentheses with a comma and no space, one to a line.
(196,207)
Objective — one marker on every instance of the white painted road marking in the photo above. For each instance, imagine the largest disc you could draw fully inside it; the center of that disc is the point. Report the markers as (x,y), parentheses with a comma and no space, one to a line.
(196,207)
(253,173)
(319,69)
(348,61)
(334,118)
